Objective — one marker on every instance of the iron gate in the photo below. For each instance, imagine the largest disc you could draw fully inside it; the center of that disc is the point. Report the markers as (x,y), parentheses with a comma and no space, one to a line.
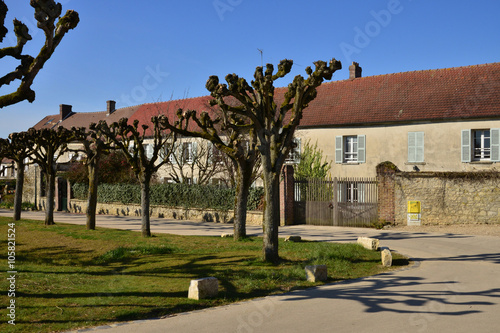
(338,202)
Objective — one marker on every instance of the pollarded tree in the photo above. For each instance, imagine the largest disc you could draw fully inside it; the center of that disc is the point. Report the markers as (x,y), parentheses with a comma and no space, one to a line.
(142,154)
(49,145)
(47,12)
(18,148)
(272,124)
(94,146)
(230,134)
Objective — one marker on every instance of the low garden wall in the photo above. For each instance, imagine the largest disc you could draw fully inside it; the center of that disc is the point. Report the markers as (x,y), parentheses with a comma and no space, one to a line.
(448,197)
(201,215)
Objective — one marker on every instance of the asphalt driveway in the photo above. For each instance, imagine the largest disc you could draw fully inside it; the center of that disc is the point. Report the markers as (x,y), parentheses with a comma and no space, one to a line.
(453,287)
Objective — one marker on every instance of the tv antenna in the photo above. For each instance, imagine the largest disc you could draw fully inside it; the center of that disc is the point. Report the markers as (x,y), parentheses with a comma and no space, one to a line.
(261,57)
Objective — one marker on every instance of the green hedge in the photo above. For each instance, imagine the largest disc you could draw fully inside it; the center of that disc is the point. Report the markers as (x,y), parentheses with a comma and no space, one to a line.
(173,195)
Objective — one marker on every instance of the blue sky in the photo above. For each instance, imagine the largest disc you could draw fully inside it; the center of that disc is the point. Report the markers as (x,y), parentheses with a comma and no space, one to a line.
(138,52)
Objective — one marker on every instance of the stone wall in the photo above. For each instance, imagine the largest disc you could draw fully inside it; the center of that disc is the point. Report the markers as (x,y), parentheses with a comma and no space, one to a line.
(202,215)
(449,197)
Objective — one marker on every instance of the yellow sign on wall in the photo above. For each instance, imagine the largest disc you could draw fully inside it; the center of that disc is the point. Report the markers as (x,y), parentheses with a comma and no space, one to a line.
(414,207)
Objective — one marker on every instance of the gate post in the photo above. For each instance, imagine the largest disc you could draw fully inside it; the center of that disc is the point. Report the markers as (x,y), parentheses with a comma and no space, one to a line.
(386,172)
(287,196)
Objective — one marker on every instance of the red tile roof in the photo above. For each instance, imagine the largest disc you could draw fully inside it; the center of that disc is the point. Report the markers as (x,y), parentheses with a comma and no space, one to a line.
(471,92)
(430,95)
(84,119)
(169,109)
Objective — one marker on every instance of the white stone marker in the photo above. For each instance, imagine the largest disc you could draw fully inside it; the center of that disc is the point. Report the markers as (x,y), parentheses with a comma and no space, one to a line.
(386,258)
(203,288)
(369,243)
(316,273)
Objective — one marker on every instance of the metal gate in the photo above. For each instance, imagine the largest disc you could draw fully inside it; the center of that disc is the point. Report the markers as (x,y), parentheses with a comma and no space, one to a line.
(339,202)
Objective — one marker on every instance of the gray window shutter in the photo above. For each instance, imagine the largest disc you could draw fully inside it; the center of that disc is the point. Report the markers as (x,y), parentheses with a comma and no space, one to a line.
(339,151)
(495,144)
(149,151)
(210,153)
(194,152)
(297,150)
(174,155)
(415,147)
(466,146)
(361,148)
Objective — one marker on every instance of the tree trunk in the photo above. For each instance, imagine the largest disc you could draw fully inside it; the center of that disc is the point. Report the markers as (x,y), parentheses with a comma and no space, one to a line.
(18,198)
(271,216)
(145,221)
(92,196)
(51,188)
(240,208)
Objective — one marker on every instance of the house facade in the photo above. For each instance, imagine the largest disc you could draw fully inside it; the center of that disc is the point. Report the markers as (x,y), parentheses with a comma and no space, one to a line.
(436,120)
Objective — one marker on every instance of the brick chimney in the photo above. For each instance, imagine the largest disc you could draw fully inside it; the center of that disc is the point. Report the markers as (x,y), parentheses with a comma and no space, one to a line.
(354,71)
(111,107)
(65,111)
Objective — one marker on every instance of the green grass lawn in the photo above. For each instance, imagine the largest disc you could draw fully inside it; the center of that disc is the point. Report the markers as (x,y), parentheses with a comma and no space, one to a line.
(69,277)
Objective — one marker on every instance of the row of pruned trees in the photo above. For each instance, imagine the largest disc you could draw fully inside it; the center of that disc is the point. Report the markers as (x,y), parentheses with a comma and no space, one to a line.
(250,127)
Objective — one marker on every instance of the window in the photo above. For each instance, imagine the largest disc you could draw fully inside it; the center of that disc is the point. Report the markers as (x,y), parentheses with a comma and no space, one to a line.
(148,149)
(350,149)
(415,147)
(294,153)
(352,191)
(481,145)
(215,155)
(187,152)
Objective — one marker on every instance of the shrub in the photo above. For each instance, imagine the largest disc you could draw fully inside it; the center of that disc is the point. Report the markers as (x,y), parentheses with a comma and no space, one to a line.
(173,195)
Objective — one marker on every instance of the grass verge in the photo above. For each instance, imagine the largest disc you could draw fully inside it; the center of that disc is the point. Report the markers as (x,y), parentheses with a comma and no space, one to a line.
(69,277)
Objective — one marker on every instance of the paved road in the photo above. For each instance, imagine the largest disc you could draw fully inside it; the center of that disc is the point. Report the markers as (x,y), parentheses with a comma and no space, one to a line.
(454,287)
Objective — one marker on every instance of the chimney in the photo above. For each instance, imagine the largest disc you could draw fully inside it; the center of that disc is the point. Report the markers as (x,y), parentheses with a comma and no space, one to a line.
(111,107)
(354,71)
(65,111)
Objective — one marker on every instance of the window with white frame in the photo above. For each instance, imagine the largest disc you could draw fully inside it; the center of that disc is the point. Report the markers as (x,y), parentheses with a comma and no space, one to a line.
(294,153)
(350,149)
(415,147)
(481,145)
(352,191)
(187,152)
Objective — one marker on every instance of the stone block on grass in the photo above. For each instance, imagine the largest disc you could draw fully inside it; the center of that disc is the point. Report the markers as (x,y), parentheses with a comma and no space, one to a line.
(316,273)
(369,243)
(386,257)
(293,239)
(203,288)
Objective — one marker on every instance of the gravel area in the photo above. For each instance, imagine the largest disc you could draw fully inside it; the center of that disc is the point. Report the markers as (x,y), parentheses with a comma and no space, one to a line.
(462,229)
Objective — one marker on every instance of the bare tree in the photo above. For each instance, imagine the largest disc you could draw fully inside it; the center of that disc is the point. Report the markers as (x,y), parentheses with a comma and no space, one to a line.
(18,148)
(231,135)
(94,146)
(49,144)
(273,125)
(143,157)
(194,159)
(47,12)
